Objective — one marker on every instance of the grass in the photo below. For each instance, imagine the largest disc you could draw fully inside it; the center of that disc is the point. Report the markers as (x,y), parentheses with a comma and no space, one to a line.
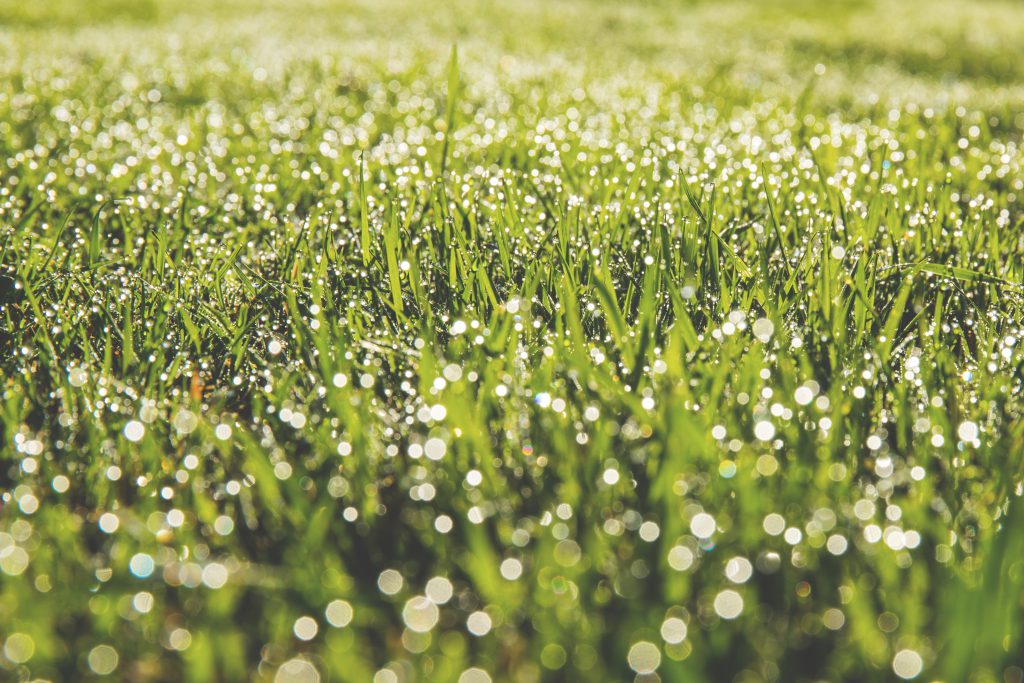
(671,342)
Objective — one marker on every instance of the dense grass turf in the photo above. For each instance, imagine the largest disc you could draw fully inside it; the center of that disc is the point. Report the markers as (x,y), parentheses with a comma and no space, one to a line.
(675,341)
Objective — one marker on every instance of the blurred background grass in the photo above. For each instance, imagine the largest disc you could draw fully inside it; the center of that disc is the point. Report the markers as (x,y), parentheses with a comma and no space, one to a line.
(948,40)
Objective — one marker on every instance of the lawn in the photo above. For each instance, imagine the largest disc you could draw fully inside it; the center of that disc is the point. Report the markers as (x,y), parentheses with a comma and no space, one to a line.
(566,340)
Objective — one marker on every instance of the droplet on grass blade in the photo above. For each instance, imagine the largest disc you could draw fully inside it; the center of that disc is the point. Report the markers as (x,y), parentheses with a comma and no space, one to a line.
(644,657)
(420,614)
(728,604)
(763,329)
(673,630)
(907,664)
(339,613)
(702,525)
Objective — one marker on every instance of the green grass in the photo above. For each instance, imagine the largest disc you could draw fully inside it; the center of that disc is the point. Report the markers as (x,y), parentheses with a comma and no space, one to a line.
(682,336)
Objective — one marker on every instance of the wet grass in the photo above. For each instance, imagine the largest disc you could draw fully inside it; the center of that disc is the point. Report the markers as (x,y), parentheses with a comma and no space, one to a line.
(661,342)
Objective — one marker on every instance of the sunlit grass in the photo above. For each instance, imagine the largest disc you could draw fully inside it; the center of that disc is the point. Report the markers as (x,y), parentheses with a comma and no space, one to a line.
(667,342)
